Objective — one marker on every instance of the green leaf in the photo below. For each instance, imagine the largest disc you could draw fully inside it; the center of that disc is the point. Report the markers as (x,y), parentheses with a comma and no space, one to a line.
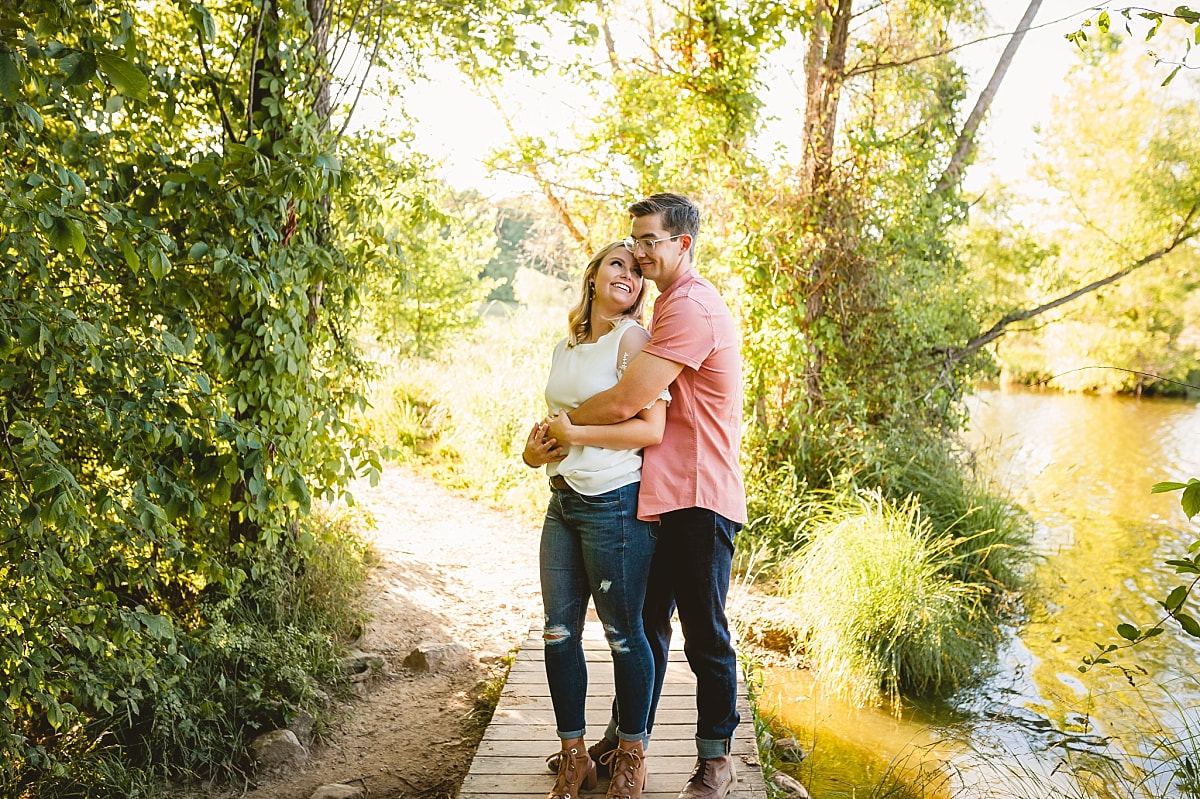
(48,480)
(131,257)
(1191,499)
(1128,632)
(197,251)
(1171,77)
(10,78)
(1176,597)
(124,76)
(159,264)
(203,21)
(173,344)
(31,116)
(1164,487)
(65,235)
(1188,624)
(1187,15)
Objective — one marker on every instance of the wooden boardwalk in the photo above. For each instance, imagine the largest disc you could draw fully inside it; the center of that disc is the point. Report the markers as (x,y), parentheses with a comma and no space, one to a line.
(511,759)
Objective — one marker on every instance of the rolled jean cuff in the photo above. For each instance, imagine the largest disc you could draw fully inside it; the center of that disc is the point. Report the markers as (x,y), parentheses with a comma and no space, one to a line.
(613,734)
(709,748)
(566,736)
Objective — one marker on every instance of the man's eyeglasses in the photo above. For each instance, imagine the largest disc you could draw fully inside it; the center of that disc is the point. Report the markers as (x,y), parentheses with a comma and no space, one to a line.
(632,244)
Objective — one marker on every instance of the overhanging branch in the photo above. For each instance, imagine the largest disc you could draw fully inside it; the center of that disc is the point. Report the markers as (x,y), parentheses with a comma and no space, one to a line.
(1186,233)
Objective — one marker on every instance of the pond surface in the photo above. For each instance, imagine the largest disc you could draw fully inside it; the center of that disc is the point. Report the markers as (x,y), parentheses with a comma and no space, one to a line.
(1083,467)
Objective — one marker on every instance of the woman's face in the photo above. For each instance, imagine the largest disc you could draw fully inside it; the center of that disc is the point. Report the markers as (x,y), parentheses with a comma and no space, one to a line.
(618,282)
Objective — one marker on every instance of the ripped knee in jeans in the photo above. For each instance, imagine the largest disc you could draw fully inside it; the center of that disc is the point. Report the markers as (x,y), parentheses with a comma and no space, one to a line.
(556,634)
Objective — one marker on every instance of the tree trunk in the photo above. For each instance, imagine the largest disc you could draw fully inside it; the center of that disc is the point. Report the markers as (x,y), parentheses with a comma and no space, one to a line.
(824,66)
(610,46)
(964,147)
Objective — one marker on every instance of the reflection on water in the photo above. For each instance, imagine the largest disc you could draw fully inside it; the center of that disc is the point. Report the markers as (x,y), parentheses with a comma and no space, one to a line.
(1083,467)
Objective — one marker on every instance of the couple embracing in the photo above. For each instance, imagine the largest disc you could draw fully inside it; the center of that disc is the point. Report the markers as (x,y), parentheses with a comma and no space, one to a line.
(646,497)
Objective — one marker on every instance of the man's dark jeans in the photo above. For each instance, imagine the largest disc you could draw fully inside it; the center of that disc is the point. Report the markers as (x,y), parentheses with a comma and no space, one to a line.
(690,572)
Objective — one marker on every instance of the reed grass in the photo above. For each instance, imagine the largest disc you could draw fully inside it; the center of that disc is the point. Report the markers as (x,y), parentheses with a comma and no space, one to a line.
(882,615)
(988,531)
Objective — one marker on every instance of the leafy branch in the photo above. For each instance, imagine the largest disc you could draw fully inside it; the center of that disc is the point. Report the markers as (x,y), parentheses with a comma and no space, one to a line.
(1103,22)
(1175,601)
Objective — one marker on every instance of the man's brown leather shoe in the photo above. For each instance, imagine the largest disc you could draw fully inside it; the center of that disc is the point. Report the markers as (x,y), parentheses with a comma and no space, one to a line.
(713,778)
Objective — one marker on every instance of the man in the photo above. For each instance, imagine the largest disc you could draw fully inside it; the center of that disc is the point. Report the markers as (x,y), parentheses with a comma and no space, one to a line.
(691,483)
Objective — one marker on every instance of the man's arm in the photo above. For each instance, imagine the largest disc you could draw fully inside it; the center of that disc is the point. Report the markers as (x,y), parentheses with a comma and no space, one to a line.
(644,379)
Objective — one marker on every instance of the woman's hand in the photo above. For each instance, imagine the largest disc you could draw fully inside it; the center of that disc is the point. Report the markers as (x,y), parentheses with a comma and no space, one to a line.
(540,448)
(561,429)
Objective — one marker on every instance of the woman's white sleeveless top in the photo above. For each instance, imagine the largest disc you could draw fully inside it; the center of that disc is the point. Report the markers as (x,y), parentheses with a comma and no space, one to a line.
(576,374)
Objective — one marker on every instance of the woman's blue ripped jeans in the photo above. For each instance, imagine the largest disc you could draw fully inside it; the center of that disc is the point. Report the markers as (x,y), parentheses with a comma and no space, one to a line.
(596,547)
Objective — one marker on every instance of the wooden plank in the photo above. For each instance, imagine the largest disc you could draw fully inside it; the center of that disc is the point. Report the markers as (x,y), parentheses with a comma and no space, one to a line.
(511,759)
(539,784)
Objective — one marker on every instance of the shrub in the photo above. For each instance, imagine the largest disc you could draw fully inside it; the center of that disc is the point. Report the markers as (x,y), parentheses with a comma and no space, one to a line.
(182,689)
(881,614)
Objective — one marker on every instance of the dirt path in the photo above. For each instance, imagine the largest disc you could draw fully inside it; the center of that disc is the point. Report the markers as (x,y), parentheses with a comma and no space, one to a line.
(451,570)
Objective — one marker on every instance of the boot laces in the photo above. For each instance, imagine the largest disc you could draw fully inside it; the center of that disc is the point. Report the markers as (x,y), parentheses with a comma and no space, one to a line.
(705,772)
(565,762)
(625,765)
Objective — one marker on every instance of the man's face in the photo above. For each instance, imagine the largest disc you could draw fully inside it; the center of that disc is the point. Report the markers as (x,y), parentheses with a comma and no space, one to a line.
(665,260)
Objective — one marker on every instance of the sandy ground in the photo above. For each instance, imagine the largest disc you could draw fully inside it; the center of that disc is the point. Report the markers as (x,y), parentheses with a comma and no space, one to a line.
(450,570)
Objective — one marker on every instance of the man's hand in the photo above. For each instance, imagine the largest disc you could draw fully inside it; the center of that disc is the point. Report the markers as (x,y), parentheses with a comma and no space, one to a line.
(541,448)
(561,429)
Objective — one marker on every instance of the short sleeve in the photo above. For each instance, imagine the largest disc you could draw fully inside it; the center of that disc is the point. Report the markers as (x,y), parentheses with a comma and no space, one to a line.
(683,333)
(624,356)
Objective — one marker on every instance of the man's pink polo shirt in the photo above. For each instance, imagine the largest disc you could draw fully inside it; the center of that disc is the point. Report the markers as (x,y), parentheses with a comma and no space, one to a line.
(696,465)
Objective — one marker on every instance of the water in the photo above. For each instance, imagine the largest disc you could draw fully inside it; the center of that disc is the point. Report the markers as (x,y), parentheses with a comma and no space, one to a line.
(1083,467)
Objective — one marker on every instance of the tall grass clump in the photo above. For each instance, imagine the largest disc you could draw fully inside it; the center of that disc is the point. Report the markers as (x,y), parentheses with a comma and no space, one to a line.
(465,413)
(881,614)
(780,506)
(987,533)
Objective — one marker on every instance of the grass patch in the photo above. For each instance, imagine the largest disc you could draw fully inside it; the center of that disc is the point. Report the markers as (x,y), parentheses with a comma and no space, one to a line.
(883,617)
(464,415)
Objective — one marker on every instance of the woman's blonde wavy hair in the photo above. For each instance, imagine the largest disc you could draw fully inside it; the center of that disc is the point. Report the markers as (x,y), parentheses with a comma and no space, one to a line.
(579,318)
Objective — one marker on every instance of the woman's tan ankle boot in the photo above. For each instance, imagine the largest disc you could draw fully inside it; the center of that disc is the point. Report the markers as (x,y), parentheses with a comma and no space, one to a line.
(576,770)
(628,765)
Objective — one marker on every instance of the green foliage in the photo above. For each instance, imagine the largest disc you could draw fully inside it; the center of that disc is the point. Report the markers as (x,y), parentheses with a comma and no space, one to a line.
(1102,208)
(430,288)
(1174,604)
(882,612)
(513,226)
(1145,23)
(176,379)
(1189,499)
(465,414)
(854,290)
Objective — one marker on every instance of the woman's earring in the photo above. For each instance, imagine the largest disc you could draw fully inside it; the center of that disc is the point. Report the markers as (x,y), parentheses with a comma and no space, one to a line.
(591,289)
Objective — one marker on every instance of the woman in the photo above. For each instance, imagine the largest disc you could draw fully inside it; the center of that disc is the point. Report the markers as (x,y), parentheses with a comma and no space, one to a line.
(593,545)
